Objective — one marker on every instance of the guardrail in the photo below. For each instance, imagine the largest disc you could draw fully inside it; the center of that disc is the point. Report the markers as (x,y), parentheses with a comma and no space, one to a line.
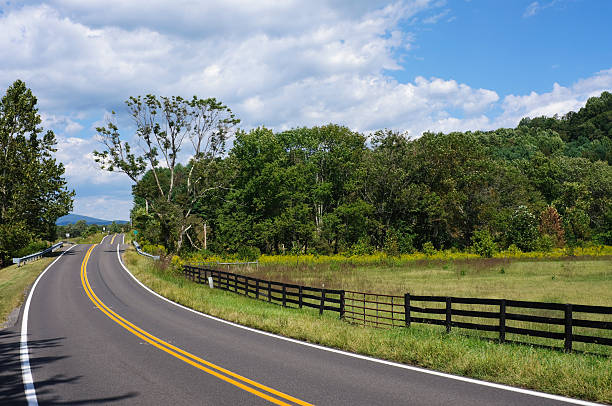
(285,294)
(37,255)
(569,323)
(141,252)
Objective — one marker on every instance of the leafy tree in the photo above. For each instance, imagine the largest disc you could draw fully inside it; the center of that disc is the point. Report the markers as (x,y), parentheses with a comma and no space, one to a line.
(523,229)
(551,225)
(33,191)
(483,244)
(164,127)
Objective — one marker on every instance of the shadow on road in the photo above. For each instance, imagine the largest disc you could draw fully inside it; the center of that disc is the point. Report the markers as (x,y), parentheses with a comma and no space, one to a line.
(11,384)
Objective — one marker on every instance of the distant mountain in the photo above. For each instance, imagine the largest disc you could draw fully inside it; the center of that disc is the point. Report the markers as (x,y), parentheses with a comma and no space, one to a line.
(73,218)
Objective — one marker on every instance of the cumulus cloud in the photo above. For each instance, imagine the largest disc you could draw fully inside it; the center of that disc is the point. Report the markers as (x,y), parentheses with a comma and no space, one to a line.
(559,100)
(106,207)
(77,155)
(278,64)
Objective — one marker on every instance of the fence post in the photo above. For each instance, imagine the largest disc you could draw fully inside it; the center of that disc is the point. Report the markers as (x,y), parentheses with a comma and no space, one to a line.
(448,314)
(246,286)
(269,291)
(568,328)
(300,296)
(322,302)
(502,321)
(256,288)
(341,304)
(407,309)
(284,295)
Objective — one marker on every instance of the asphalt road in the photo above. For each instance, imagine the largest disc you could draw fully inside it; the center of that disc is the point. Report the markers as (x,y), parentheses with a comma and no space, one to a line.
(96,336)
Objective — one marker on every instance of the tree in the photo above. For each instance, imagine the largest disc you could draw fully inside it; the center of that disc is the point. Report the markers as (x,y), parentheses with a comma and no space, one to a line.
(33,192)
(164,125)
(551,224)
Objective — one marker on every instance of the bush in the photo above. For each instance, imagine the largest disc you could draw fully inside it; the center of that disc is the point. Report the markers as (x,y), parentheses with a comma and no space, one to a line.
(31,248)
(483,244)
(523,229)
(546,243)
(429,249)
(249,254)
(361,247)
(551,224)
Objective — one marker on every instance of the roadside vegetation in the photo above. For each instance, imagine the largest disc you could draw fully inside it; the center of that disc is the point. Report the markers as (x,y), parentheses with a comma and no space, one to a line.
(584,376)
(15,282)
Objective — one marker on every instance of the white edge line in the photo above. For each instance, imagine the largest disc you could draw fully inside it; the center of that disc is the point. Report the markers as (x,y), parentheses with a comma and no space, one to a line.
(26,372)
(364,357)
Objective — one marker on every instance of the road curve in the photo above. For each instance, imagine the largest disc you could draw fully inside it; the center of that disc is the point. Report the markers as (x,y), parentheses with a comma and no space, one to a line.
(95,335)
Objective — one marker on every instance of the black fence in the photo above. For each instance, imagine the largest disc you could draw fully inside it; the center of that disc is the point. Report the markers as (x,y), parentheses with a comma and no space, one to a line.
(545,324)
(284,294)
(570,323)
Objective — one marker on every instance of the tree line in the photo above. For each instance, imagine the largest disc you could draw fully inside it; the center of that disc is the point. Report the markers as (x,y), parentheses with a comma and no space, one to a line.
(82,229)
(546,183)
(33,191)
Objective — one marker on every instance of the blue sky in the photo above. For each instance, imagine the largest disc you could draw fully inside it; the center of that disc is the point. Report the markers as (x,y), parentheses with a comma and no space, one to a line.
(410,65)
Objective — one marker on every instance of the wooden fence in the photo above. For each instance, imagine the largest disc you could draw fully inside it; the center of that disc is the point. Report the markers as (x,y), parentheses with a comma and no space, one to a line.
(570,323)
(284,294)
(499,318)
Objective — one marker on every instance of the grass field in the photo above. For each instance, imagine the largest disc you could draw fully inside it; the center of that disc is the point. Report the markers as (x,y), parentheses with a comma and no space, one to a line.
(14,281)
(582,376)
(576,280)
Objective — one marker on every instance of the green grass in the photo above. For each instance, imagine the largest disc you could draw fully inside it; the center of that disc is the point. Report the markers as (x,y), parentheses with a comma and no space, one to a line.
(578,280)
(14,281)
(576,375)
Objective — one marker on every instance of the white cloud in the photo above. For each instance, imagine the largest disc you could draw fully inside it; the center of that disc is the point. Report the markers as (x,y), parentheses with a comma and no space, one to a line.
(437,17)
(531,9)
(77,155)
(559,100)
(103,206)
(278,64)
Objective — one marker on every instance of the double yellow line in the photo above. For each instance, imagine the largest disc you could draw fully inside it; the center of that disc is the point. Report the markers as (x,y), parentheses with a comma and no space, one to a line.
(208,367)
(113,239)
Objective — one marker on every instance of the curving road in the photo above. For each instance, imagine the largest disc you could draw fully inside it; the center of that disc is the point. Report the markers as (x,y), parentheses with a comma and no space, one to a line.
(95,335)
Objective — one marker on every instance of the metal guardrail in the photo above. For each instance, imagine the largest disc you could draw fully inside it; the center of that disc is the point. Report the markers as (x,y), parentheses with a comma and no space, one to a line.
(141,252)
(38,255)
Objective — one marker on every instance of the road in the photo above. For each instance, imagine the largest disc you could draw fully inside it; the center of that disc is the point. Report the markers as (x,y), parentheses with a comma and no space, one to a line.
(95,335)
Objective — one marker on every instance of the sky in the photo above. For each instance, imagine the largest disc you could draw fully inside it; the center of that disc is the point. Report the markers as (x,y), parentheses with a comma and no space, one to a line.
(412,65)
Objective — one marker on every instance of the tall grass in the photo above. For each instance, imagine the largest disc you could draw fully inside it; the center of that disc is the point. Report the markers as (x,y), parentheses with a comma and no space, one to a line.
(576,375)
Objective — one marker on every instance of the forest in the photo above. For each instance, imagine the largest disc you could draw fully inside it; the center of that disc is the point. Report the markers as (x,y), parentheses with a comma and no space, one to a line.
(546,183)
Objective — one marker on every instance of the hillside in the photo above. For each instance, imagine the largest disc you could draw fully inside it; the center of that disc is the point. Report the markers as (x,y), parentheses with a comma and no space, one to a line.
(73,218)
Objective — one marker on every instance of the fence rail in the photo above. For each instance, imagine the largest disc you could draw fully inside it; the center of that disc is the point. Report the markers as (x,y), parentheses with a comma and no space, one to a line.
(38,255)
(570,323)
(285,294)
(497,318)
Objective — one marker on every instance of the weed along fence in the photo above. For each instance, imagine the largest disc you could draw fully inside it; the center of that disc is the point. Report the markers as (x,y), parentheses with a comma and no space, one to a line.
(550,324)
(285,294)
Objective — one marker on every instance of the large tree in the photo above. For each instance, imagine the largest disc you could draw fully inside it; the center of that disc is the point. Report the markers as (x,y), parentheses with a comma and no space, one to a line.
(168,131)
(33,191)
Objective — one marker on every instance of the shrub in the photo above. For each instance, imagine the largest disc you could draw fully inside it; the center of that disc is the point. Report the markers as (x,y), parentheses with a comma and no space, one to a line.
(546,243)
(551,224)
(523,229)
(483,244)
(247,253)
(361,247)
(31,248)
(429,249)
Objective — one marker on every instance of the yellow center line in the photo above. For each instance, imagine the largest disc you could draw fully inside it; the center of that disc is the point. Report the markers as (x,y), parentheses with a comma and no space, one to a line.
(113,239)
(176,352)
